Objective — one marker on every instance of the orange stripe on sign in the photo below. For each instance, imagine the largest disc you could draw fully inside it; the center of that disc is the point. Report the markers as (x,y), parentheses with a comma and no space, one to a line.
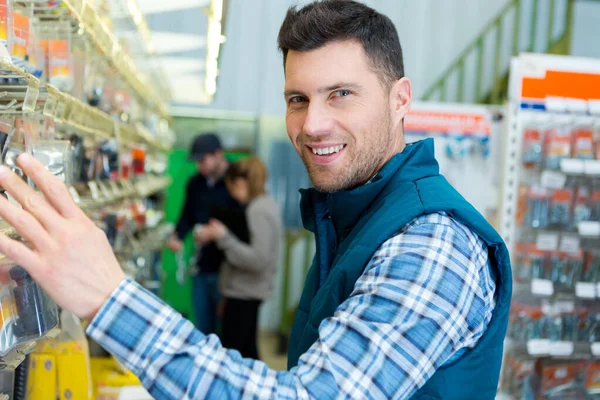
(574,85)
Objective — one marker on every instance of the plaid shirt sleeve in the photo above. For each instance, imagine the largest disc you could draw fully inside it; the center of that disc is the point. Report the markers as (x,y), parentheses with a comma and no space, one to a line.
(426,296)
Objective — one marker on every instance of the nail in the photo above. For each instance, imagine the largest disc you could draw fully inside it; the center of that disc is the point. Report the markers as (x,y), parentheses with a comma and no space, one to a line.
(4,171)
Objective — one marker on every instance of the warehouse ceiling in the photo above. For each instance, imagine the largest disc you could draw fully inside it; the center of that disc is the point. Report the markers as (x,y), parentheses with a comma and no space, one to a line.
(178,31)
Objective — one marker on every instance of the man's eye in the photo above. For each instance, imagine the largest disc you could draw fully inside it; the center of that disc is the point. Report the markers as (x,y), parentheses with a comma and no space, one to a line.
(296,99)
(342,93)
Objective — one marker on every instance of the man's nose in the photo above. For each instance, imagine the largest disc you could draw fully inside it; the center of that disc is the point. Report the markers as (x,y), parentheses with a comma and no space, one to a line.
(319,121)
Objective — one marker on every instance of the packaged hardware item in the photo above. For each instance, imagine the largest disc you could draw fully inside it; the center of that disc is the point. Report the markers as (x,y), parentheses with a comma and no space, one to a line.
(55,155)
(591,267)
(19,33)
(139,157)
(596,204)
(582,209)
(35,60)
(532,146)
(557,145)
(13,147)
(59,64)
(537,206)
(564,380)
(4,20)
(583,143)
(26,313)
(566,268)
(560,208)
(530,263)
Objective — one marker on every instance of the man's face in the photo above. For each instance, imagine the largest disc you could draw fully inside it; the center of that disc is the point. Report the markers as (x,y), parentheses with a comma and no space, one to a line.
(208,166)
(339,115)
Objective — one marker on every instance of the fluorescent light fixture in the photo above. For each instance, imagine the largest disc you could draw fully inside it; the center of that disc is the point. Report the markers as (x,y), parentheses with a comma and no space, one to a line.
(214,39)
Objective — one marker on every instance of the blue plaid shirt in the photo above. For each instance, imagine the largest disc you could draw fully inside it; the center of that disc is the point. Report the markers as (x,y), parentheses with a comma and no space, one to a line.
(431,285)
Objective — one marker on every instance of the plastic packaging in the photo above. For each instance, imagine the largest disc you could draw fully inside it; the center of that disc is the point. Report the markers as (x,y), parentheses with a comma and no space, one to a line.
(583,143)
(7,381)
(139,157)
(26,315)
(55,155)
(4,20)
(560,209)
(557,145)
(537,207)
(19,33)
(582,209)
(532,147)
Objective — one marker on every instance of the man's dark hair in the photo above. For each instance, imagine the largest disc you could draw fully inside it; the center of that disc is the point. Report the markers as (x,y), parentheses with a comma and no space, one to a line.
(322,22)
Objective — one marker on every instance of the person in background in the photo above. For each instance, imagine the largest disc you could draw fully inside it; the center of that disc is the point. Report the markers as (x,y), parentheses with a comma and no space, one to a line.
(204,191)
(250,265)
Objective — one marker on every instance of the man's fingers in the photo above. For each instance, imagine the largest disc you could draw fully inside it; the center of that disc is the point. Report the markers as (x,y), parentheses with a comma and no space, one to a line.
(25,224)
(21,255)
(53,188)
(28,198)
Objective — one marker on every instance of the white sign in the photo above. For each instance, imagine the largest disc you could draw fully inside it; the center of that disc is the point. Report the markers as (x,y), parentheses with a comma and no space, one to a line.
(542,287)
(570,244)
(585,290)
(562,348)
(538,347)
(547,242)
(554,179)
(595,347)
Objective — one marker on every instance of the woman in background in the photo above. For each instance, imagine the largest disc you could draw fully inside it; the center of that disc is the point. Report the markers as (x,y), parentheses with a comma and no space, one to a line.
(250,263)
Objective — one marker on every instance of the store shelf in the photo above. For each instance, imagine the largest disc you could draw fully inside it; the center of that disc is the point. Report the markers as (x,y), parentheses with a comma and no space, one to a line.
(20,91)
(69,111)
(86,15)
(543,348)
(152,185)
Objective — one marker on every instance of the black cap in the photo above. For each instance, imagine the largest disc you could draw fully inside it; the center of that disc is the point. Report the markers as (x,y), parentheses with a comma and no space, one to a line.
(207,143)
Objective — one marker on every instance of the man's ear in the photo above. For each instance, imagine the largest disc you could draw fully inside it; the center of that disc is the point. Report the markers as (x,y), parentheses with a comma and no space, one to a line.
(400,100)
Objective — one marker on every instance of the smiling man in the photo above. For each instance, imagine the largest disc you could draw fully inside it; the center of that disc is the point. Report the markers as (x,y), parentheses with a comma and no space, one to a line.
(409,292)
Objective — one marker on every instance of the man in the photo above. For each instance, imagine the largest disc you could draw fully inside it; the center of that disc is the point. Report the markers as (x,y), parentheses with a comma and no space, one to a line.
(410,289)
(204,192)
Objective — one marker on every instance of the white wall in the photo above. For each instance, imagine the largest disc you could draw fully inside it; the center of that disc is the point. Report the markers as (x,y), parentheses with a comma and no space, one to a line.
(432,33)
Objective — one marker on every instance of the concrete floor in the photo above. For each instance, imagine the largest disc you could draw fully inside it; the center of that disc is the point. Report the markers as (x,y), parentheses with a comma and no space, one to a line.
(267,349)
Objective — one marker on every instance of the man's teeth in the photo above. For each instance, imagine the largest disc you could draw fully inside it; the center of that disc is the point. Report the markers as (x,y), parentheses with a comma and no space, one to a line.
(328,150)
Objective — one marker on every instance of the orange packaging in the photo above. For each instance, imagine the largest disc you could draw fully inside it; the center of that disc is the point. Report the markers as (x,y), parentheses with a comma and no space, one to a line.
(20,36)
(561,374)
(593,376)
(58,58)
(3,22)
(583,144)
(562,196)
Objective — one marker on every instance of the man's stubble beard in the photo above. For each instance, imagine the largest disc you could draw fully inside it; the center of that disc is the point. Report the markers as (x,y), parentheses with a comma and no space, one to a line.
(358,169)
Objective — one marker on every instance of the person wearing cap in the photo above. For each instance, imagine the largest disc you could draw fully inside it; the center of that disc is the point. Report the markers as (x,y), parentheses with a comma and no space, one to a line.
(204,191)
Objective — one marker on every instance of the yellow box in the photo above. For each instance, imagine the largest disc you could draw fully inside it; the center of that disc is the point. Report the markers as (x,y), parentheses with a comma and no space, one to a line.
(73,380)
(41,383)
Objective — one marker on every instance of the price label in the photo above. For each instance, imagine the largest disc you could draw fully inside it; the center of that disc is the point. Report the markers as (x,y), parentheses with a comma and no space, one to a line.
(570,244)
(589,228)
(585,290)
(553,179)
(561,307)
(547,242)
(538,347)
(562,348)
(595,348)
(542,287)
(592,167)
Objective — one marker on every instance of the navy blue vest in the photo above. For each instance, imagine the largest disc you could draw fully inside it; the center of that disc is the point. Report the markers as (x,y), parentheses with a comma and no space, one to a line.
(407,187)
